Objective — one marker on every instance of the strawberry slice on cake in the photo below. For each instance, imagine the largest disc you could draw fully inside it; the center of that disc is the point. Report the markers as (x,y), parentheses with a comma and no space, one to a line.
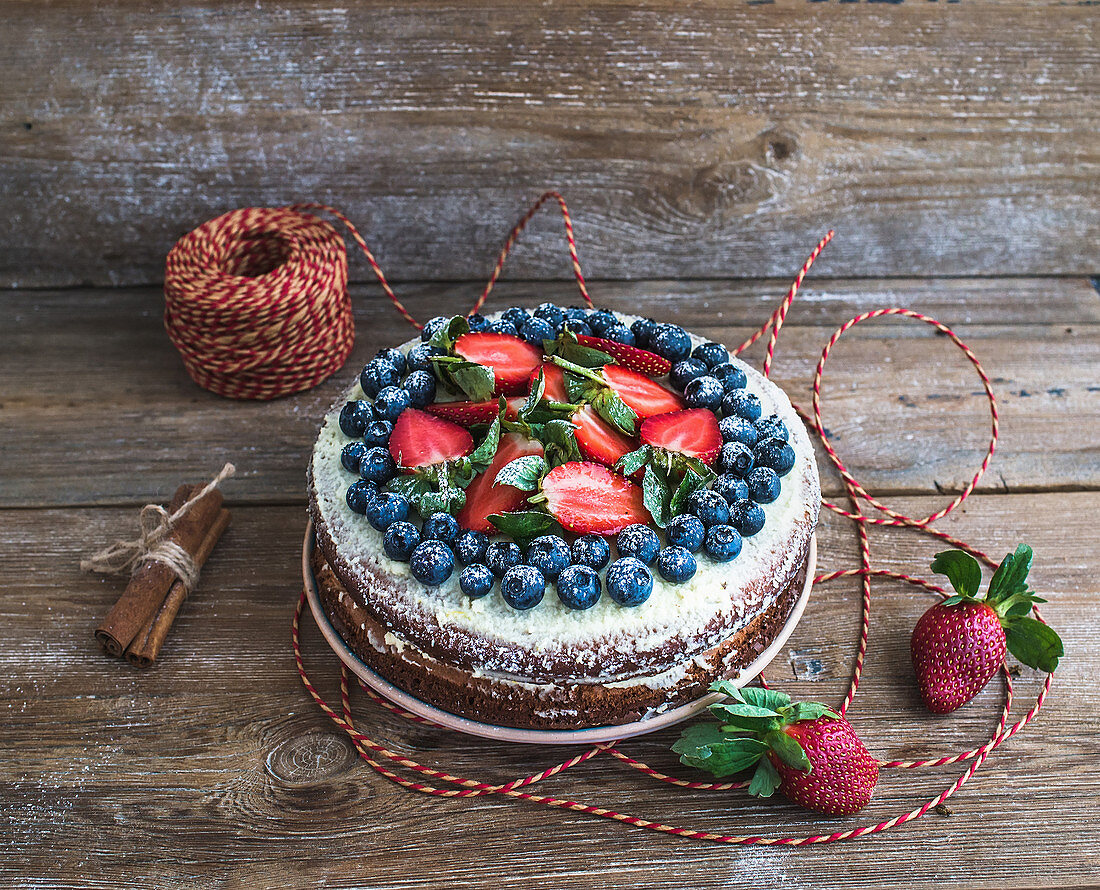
(484,498)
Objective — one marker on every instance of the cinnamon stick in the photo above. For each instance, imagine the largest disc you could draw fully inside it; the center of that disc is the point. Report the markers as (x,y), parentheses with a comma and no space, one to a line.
(150,584)
(143,651)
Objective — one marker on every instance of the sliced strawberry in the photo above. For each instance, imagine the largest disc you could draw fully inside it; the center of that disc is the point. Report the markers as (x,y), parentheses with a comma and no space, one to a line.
(483,498)
(648,363)
(693,432)
(599,440)
(511,358)
(511,411)
(554,376)
(645,396)
(465,413)
(420,439)
(588,498)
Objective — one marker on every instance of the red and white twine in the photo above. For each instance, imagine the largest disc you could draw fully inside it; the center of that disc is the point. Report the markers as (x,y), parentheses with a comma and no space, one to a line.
(374,754)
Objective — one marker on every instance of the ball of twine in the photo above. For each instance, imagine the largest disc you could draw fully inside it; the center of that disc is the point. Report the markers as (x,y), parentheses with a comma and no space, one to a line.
(256,302)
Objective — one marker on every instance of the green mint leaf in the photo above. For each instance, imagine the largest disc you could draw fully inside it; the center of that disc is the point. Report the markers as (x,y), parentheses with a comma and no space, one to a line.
(962,570)
(523,526)
(475,380)
(765,698)
(788,750)
(689,484)
(615,411)
(655,496)
(765,781)
(523,473)
(1034,644)
(629,464)
(1011,575)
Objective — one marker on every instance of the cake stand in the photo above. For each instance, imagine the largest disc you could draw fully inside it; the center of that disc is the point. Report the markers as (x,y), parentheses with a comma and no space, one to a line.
(586,736)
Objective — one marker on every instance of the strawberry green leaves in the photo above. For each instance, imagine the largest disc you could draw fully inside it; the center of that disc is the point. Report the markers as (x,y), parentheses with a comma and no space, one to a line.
(587,385)
(476,381)
(524,473)
(668,479)
(961,569)
(1034,644)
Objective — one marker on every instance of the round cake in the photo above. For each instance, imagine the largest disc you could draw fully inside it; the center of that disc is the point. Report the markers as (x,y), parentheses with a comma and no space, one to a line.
(562,518)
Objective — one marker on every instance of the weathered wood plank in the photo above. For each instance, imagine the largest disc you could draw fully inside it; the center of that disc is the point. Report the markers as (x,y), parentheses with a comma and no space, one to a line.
(718,140)
(117,776)
(88,376)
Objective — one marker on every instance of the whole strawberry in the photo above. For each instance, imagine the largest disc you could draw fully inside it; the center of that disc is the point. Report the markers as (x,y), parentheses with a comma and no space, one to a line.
(804,750)
(960,643)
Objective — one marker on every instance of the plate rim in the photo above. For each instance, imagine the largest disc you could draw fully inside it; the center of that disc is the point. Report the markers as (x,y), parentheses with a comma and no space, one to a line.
(588,735)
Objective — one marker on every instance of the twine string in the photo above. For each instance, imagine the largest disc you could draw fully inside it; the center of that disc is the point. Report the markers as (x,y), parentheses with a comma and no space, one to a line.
(374,753)
(152,545)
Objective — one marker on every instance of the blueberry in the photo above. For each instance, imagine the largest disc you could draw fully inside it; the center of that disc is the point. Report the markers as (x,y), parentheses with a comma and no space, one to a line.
(523,587)
(775,453)
(592,551)
(478,322)
(580,328)
(386,509)
(503,326)
(620,333)
(772,427)
(737,429)
(377,465)
(711,354)
(686,531)
(723,543)
(741,403)
(704,392)
(579,587)
(500,556)
(548,312)
(417,359)
(354,416)
(515,315)
(550,555)
(376,375)
(684,372)
(394,356)
(391,401)
(764,485)
(735,458)
(670,341)
(643,329)
(400,540)
(729,375)
(476,580)
(709,506)
(676,564)
(601,321)
(377,433)
(576,314)
(420,385)
(360,494)
(432,562)
(535,330)
(629,581)
(351,455)
(732,488)
(747,517)
(470,547)
(639,541)
(441,527)
(433,327)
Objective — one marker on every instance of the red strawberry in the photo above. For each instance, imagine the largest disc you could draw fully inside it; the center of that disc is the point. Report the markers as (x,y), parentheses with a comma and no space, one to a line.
(554,378)
(842,773)
(599,440)
(693,432)
(420,439)
(588,498)
(632,357)
(511,358)
(645,396)
(483,498)
(465,413)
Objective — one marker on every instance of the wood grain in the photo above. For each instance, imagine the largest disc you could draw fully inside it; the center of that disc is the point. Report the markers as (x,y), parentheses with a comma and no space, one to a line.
(719,140)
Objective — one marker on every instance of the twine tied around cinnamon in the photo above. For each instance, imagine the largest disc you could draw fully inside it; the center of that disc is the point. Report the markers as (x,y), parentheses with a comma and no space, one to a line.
(153,545)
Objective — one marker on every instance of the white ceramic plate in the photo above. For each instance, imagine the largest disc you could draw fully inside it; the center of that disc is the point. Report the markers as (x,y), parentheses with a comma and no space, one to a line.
(538,736)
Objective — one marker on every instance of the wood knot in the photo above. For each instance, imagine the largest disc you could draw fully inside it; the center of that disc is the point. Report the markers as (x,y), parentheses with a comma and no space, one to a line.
(807,664)
(310,758)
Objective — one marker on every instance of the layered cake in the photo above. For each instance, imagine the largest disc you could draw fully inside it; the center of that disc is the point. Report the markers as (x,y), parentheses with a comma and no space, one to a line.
(561,518)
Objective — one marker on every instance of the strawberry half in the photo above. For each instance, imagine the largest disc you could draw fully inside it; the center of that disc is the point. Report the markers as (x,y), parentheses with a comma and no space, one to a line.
(420,439)
(646,397)
(554,377)
(483,498)
(588,498)
(693,432)
(511,359)
(465,413)
(600,441)
(632,357)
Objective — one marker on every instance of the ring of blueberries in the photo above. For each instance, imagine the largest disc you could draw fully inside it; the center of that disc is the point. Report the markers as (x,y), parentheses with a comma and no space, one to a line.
(754,457)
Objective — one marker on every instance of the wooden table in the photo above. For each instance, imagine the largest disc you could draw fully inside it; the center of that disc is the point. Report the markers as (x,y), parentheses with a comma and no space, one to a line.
(703,152)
